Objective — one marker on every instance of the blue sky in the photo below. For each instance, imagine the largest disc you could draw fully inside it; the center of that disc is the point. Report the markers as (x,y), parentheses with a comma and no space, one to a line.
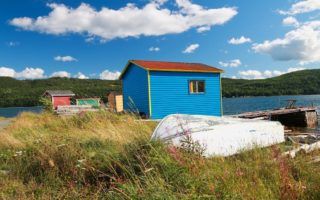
(94,39)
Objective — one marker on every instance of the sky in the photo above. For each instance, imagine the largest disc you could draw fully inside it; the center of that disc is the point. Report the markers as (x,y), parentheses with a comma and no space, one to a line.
(96,38)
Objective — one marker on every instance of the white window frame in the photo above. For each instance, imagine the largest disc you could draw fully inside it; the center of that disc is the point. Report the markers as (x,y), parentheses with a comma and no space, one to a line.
(196,82)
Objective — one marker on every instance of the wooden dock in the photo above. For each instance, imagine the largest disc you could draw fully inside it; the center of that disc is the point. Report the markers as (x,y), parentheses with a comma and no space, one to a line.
(291,117)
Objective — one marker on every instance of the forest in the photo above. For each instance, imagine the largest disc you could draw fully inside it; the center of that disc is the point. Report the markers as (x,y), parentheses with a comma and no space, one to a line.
(295,83)
(18,93)
(15,92)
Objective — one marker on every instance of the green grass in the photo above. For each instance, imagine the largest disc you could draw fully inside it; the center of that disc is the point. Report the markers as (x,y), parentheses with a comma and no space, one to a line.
(107,156)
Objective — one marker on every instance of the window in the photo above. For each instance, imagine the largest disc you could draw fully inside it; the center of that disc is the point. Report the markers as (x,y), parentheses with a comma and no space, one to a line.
(196,87)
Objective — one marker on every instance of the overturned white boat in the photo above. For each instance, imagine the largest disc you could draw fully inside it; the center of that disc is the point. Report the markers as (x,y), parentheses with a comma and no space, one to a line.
(220,136)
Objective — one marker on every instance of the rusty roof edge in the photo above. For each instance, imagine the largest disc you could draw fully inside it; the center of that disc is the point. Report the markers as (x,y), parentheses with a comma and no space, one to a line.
(188,63)
(182,70)
(216,70)
(127,66)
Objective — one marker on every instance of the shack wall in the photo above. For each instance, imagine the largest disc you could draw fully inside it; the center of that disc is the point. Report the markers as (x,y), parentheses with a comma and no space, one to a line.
(92,102)
(61,101)
(135,90)
(169,93)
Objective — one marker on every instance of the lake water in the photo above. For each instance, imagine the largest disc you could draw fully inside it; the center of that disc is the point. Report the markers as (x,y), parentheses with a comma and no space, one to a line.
(239,105)
(14,111)
(230,105)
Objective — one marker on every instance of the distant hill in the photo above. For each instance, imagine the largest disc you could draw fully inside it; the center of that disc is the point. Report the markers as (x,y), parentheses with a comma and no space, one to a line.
(27,92)
(295,83)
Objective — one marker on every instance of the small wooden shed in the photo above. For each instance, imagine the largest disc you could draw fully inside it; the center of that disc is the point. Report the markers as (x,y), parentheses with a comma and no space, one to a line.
(59,97)
(157,89)
(94,102)
(115,100)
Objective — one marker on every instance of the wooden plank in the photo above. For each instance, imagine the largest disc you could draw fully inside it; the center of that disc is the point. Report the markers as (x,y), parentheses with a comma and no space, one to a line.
(299,117)
(267,113)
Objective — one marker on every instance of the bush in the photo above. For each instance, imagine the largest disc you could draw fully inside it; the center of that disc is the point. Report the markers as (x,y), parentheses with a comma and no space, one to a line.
(46,104)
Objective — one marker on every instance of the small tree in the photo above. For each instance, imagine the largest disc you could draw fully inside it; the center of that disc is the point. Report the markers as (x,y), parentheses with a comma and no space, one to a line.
(46,103)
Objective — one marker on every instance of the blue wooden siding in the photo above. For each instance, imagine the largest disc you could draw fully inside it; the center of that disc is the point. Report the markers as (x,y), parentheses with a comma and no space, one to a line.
(170,94)
(135,87)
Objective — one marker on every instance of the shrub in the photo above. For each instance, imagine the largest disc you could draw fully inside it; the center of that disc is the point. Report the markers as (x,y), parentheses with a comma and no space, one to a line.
(46,103)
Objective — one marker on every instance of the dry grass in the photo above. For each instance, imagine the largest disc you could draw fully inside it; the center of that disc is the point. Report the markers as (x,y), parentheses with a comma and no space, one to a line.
(107,156)
(28,128)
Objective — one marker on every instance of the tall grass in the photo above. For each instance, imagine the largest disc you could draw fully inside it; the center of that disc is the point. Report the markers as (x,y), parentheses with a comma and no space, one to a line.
(108,156)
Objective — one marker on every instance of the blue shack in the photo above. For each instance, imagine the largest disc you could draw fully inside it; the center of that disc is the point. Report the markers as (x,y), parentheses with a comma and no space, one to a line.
(157,89)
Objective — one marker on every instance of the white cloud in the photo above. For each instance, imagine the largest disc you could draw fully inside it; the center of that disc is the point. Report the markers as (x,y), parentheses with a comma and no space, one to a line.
(294,69)
(61,74)
(203,29)
(255,74)
(191,48)
(152,19)
(30,73)
(302,44)
(80,75)
(303,6)
(237,41)
(8,72)
(251,74)
(89,39)
(231,63)
(22,22)
(13,43)
(290,21)
(154,49)
(65,58)
(36,73)
(27,73)
(108,75)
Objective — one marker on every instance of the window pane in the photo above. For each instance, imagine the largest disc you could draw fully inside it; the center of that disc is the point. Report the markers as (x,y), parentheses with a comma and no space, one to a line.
(196,86)
(191,89)
(201,86)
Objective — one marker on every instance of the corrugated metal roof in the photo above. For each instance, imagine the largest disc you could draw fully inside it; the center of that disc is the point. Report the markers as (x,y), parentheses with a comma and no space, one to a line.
(173,66)
(60,92)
